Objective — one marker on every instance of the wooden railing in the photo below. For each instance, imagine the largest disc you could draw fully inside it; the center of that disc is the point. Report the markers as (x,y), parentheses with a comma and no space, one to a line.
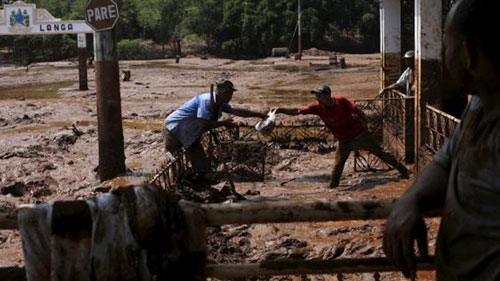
(268,212)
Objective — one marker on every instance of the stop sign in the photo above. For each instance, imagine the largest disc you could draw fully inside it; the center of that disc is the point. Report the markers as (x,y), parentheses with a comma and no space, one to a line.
(101,14)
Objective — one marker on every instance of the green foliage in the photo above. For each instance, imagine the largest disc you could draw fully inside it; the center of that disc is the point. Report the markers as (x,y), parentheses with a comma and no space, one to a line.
(203,18)
(127,26)
(233,28)
(369,31)
(131,50)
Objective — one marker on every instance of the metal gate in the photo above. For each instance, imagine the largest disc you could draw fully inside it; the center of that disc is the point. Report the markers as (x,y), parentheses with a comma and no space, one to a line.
(391,120)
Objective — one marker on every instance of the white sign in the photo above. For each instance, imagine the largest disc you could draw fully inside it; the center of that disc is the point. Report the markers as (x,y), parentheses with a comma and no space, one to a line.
(82,40)
(23,19)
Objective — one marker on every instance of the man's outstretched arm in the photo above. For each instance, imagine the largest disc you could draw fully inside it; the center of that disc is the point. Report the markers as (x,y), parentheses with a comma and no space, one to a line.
(288,111)
(241,112)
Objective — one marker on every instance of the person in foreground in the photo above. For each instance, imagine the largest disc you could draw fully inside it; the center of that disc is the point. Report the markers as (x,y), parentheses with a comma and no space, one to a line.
(407,79)
(463,180)
(348,124)
(184,127)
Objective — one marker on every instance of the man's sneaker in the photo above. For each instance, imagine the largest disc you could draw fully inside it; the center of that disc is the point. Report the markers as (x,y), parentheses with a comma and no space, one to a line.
(405,174)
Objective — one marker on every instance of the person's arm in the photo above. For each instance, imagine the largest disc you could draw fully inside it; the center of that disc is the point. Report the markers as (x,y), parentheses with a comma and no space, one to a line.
(288,111)
(207,125)
(241,112)
(399,85)
(394,86)
(405,223)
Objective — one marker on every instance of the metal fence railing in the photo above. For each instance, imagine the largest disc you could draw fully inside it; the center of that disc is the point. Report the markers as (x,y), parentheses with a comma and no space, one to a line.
(437,128)
(391,121)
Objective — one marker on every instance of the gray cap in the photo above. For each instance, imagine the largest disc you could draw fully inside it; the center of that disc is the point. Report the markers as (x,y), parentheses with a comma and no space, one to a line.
(322,89)
(224,83)
(409,55)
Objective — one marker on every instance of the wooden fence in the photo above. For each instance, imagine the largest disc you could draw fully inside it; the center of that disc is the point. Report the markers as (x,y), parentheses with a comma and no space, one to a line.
(267,212)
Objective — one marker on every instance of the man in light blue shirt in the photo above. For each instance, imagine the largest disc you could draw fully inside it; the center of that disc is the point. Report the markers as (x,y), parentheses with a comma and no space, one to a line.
(184,127)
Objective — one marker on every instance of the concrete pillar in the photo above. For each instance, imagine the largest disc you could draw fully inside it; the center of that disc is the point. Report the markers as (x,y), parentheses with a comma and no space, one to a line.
(428,60)
(390,42)
(428,49)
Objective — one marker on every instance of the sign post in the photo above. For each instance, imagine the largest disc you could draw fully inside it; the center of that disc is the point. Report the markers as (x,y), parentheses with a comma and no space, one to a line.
(82,61)
(102,16)
(20,18)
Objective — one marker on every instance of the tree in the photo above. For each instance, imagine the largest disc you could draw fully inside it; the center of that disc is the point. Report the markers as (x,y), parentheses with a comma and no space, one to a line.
(203,17)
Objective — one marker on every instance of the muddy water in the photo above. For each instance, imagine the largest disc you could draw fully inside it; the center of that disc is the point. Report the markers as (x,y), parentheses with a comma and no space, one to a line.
(274,98)
(41,91)
(307,183)
(137,125)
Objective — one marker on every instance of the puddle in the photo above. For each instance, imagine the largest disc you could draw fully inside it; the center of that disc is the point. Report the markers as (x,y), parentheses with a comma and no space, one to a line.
(143,125)
(273,98)
(38,127)
(39,91)
(138,125)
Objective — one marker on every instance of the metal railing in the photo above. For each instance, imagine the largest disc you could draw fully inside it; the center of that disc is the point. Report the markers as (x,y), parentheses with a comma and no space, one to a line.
(437,128)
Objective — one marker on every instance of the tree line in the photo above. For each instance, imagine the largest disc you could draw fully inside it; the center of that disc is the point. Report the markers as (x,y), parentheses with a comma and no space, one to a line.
(227,28)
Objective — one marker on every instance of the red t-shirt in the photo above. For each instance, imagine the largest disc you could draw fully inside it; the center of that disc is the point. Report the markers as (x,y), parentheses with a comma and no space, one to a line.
(339,118)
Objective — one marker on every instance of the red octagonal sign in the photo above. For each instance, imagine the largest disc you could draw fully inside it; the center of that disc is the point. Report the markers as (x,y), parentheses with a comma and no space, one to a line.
(101,14)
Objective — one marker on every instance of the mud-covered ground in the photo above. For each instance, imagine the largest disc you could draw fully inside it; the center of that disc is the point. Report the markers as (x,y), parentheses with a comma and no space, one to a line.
(49,148)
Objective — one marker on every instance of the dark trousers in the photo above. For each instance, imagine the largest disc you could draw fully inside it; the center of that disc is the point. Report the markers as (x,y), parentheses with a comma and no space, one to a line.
(195,153)
(366,141)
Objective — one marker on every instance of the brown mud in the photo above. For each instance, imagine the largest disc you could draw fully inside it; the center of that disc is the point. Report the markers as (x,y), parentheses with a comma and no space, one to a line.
(49,149)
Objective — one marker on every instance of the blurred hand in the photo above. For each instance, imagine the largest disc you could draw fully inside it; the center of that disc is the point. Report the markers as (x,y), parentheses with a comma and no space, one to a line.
(404,226)
(274,109)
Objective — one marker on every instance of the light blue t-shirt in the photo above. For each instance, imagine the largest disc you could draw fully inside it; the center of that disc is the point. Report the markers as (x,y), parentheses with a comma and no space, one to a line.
(183,122)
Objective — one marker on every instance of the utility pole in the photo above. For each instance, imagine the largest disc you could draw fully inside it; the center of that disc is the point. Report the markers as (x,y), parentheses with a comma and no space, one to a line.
(299,51)
(102,16)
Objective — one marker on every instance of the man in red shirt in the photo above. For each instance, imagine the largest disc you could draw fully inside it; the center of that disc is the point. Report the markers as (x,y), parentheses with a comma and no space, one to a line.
(349,125)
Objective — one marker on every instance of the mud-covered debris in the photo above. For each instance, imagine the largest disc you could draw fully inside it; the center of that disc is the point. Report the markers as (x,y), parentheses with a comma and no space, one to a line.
(17,189)
(333,252)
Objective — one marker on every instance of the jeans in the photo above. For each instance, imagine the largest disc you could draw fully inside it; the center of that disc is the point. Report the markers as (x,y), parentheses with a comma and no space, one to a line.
(364,140)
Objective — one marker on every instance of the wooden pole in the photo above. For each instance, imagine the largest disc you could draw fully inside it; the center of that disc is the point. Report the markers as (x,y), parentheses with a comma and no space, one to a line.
(274,268)
(265,212)
(303,267)
(299,31)
(82,61)
(290,211)
(109,114)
